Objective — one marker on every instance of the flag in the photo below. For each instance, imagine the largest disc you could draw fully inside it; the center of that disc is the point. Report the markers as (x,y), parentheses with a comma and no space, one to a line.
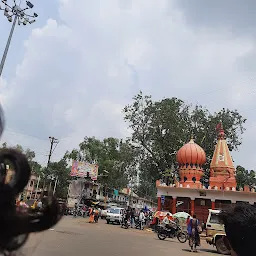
(218,126)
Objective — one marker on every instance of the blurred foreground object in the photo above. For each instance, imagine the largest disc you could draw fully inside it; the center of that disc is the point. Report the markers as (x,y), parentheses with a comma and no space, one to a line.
(15,225)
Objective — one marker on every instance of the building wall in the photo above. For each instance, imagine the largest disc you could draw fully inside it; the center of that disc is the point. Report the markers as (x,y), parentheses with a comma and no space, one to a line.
(199,201)
(211,194)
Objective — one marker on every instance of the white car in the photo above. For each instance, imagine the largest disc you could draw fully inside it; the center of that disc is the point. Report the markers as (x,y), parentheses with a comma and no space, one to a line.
(114,215)
(103,213)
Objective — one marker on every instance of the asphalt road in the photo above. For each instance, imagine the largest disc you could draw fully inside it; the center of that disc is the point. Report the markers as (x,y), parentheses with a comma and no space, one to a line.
(73,237)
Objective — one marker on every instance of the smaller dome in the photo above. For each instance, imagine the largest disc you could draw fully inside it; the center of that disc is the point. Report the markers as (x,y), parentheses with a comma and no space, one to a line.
(191,153)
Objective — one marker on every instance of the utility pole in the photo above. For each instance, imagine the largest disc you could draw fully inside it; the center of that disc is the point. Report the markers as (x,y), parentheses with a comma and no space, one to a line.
(53,142)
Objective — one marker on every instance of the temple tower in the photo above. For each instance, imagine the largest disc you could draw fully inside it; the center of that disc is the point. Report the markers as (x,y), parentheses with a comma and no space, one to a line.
(222,169)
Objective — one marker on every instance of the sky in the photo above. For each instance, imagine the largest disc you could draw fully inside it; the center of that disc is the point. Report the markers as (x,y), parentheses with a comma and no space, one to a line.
(70,74)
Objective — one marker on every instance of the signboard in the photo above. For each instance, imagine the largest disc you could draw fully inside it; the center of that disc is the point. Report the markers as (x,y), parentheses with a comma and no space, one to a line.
(162,199)
(84,169)
(179,203)
(202,193)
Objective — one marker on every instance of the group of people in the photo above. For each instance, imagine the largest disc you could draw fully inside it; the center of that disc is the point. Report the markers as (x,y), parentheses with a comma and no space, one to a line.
(93,212)
(136,218)
(37,204)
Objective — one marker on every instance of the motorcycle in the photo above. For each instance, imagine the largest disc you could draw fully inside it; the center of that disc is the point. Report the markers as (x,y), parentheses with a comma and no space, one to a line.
(125,224)
(163,233)
(138,224)
(78,212)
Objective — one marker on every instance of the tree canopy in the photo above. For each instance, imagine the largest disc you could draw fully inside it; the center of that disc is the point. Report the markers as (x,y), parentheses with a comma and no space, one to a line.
(115,156)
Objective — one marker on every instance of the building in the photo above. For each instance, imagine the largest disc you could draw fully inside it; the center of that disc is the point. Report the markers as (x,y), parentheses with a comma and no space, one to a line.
(84,190)
(126,197)
(31,191)
(189,195)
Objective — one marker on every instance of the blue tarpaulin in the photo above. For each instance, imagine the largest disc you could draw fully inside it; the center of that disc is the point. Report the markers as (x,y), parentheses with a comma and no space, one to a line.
(145,209)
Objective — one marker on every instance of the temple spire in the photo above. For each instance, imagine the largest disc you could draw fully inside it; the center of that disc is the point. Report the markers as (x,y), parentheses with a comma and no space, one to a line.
(222,166)
(220,131)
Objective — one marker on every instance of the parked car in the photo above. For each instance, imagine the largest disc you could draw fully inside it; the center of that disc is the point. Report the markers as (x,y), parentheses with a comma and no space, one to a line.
(114,215)
(103,213)
(215,232)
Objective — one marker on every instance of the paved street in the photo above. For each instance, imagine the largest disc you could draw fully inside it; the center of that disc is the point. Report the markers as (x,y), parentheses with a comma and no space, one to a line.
(77,237)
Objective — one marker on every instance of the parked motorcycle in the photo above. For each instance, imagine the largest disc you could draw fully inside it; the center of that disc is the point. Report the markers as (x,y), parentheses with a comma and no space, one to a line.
(163,233)
(79,212)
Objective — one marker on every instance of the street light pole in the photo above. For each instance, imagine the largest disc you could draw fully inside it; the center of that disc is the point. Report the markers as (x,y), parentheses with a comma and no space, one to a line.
(7,45)
(19,15)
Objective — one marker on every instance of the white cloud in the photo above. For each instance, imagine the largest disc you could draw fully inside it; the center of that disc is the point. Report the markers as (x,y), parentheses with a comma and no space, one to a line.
(78,74)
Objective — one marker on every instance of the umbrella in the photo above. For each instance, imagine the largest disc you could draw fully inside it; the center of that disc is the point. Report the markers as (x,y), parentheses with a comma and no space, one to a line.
(181,215)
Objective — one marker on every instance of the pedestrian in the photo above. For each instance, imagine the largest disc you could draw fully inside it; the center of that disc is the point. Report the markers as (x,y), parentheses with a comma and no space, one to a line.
(96,215)
(188,222)
(91,214)
(141,219)
(240,228)
(193,232)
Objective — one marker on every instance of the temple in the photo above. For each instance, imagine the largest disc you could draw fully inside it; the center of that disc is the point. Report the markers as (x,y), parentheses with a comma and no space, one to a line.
(189,195)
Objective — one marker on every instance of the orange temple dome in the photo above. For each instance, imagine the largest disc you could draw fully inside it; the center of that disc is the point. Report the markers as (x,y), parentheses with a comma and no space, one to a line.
(192,154)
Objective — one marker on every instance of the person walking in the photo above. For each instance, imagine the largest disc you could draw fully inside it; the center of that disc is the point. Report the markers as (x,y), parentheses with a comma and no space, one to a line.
(193,232)
(91,214)
(141,219)
(132,217)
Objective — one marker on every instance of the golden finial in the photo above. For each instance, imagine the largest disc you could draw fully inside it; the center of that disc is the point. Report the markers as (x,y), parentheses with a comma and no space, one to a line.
(192,138)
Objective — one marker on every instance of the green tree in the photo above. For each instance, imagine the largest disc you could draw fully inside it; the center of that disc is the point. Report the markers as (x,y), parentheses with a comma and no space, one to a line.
(112,155)
(160,128)
(245,177)
(60,171)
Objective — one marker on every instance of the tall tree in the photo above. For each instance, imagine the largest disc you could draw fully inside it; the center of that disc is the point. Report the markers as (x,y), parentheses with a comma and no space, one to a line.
(113,155)
(160,128)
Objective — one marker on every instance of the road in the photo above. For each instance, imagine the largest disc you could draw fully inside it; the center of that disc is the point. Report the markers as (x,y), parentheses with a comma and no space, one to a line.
(72,237)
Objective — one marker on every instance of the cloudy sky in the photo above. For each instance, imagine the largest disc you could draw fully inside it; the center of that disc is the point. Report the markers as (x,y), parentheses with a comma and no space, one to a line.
(70,74)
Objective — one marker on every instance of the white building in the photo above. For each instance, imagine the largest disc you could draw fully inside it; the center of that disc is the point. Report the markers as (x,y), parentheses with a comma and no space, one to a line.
(79,189)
